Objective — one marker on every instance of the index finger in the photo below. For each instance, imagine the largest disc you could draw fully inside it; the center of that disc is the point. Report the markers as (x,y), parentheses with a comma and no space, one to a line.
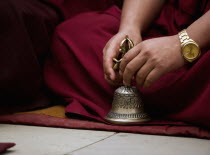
(130,55)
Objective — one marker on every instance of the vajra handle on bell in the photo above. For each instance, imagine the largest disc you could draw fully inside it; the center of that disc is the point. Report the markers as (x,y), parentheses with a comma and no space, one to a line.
(125,45)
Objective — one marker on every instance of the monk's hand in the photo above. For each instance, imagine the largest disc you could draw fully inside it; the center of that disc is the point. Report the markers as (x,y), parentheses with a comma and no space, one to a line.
(151,59)
(111,50)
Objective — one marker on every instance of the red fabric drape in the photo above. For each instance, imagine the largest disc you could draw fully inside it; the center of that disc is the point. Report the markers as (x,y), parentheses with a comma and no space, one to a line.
(75,71)
(70,8)
(168,128)
(5,146)
(26,30)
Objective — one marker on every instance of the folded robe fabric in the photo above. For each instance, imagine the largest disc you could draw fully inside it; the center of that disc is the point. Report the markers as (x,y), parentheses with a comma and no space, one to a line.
(73,51)
(26,27)
(5,146)
(75,68)
(54,117)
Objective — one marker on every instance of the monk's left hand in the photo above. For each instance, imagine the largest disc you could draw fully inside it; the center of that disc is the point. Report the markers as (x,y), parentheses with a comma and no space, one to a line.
(151,59)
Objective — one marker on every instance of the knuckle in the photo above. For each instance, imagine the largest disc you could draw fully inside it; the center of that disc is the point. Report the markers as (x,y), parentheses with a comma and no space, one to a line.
(149,81)
(146,53)
(139,80)
(154,60)
(129,69)
(139,77)
(144,45)
(160,65)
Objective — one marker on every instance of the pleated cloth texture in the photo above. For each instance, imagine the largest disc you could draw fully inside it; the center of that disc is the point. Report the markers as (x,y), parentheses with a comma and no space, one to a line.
(26,30)
(74,70)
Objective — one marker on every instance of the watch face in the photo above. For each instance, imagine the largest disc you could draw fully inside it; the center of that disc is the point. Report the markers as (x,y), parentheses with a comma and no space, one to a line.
(191,51)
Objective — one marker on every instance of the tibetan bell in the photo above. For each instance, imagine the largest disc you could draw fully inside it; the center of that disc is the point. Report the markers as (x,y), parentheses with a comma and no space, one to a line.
(127,106)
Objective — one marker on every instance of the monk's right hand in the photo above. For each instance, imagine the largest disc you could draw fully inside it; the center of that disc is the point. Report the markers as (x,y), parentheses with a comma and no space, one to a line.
(111,50)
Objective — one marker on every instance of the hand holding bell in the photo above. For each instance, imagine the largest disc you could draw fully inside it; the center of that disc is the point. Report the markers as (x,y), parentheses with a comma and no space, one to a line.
(127,105)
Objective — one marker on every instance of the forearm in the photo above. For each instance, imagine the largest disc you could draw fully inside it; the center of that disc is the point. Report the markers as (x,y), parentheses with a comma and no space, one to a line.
(138,14)
(199,31)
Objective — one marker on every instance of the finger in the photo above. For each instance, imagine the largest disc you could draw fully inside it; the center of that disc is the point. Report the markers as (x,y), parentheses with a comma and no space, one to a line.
(110,47)
(130,55)
(110,73)
(143,72)
(117,82)
(108,80)
(109,53)
(132,68)
(153,76)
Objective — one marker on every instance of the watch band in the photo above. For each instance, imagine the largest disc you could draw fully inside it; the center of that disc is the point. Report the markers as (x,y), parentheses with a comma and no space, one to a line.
(184,37)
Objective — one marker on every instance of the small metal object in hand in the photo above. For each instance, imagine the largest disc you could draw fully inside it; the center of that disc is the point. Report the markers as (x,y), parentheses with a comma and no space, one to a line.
(127,106)
(125,45)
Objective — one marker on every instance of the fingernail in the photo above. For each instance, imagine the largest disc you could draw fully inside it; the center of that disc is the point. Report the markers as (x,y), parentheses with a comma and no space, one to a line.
(126,84)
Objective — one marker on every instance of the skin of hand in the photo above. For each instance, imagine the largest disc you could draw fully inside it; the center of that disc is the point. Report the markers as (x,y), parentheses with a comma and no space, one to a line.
(151,59)
(135,18)
(111,50)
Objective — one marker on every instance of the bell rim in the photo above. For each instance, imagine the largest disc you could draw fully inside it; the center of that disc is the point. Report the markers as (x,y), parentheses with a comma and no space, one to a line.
(127,121)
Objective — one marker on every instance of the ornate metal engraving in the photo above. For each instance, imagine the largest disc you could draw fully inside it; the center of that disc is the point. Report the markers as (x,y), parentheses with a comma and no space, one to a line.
(127,107)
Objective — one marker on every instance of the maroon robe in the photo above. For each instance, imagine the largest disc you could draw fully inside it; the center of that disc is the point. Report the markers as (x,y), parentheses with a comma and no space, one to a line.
(75,72)
(26,30)
(5,146)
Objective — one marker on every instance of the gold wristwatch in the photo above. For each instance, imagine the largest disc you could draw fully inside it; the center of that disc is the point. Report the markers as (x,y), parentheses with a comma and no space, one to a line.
(189,48)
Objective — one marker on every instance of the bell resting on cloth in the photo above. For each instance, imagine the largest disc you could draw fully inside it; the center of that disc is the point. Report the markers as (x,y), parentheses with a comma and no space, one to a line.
(127,105)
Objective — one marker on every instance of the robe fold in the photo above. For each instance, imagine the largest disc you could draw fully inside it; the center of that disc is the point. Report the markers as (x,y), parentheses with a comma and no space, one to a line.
(74,69)
(25,34)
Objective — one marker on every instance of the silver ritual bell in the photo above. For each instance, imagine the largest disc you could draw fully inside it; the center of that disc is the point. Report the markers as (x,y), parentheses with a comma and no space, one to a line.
(127,106)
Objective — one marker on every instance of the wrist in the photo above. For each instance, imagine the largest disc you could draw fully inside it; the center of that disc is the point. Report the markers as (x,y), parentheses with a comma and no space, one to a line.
(133,34)
(130,29)
(177,45)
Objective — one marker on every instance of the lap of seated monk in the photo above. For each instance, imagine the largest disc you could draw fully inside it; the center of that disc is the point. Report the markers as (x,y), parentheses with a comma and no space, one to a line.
(75,71)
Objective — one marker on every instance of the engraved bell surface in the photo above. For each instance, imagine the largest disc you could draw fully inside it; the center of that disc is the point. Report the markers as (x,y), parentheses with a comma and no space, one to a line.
(127,107)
